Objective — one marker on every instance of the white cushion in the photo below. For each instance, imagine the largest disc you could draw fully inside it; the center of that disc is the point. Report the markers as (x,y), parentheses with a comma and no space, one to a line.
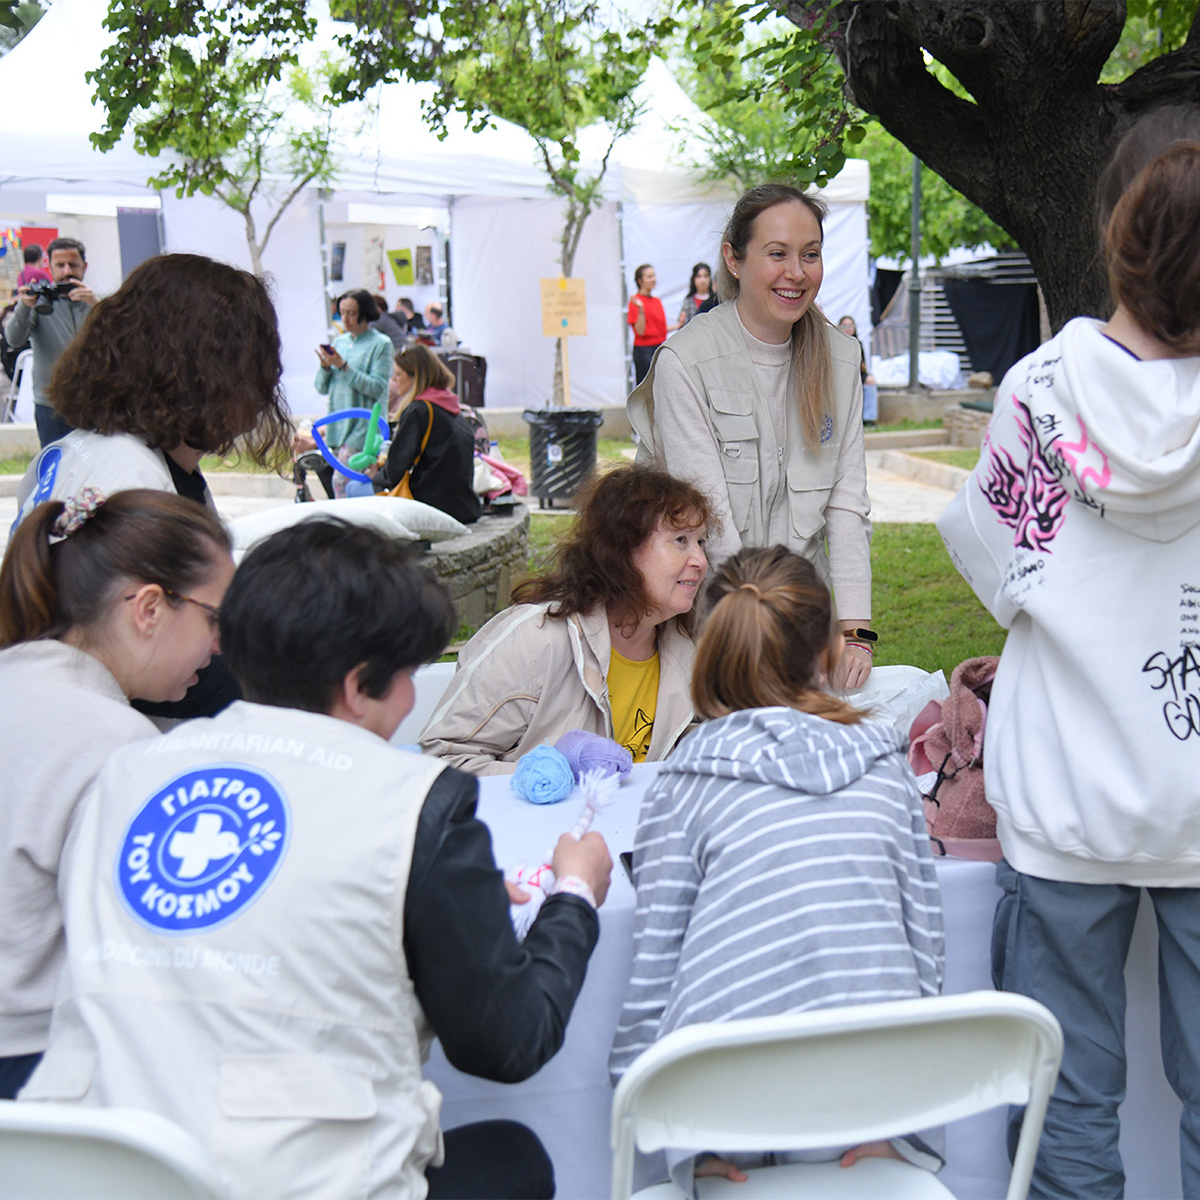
(407,520)
(428,523)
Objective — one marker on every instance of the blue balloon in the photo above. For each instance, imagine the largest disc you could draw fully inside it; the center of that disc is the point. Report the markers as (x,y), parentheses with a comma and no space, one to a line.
(327,454)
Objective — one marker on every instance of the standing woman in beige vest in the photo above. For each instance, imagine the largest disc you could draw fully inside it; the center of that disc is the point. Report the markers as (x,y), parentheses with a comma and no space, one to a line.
(759,404)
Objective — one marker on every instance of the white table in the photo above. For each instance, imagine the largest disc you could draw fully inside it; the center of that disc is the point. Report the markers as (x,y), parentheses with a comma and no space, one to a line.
(568,1102)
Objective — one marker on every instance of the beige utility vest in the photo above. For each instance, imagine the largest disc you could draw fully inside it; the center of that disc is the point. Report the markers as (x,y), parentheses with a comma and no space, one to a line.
(234,913)
(777,490)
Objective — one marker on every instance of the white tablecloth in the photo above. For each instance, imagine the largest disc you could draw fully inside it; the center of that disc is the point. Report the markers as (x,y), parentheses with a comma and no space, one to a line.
(568,1102)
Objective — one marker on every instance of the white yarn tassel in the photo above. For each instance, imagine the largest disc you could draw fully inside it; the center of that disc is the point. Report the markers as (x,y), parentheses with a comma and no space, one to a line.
(598,788)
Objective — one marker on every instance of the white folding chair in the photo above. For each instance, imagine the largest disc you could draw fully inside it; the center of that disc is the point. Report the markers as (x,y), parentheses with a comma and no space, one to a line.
(837,1076)
(24,363)
(66,1151)
(430,683)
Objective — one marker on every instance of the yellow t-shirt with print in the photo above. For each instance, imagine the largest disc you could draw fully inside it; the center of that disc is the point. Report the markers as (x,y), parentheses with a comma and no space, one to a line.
(632,697)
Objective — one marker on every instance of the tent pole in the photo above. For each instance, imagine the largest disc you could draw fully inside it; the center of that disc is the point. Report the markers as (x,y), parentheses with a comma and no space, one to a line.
(565,339)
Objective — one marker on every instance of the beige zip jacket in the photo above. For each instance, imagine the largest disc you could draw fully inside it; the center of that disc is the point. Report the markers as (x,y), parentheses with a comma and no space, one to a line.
(527,678)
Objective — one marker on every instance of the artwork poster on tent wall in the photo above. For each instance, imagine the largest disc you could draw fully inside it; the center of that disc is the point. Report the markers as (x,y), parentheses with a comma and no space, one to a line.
(402,267)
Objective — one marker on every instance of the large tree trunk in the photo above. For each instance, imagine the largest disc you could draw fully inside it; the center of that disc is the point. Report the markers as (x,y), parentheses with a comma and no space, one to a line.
(1029,150)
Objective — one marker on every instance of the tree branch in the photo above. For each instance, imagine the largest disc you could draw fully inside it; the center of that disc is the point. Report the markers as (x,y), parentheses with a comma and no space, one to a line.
(886,75)
(1174,77)
(303,183)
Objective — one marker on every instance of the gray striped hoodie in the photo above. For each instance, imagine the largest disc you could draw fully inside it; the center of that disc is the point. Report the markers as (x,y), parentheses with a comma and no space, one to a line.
(781,864)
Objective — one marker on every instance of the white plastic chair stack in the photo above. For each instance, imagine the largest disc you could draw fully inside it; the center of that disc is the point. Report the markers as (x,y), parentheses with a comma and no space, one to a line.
(66,1151)
(837,1076)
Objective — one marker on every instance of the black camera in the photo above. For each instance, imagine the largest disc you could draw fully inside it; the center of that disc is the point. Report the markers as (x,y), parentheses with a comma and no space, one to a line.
(47,292)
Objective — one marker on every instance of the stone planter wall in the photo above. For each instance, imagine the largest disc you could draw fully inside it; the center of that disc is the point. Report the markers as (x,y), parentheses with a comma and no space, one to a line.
(966,426)
(481,568)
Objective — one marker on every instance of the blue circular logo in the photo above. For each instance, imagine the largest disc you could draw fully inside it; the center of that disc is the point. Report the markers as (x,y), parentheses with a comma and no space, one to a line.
(47,473)
(203,848)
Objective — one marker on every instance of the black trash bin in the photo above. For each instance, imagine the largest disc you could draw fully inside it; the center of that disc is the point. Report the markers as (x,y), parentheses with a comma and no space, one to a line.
(562,450)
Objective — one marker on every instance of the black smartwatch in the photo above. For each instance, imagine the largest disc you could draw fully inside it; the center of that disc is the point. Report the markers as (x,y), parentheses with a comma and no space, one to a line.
(860,635)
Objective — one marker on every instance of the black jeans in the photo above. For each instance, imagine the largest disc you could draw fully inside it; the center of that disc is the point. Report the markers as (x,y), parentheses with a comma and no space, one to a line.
(492,1160)
(50,425)
(643,356)
(15,1071)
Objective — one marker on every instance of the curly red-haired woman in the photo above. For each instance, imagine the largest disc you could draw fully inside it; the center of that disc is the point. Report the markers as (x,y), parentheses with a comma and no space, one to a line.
(601,643)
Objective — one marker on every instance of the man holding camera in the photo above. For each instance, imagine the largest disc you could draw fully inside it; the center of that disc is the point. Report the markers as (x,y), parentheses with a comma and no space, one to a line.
(49,316)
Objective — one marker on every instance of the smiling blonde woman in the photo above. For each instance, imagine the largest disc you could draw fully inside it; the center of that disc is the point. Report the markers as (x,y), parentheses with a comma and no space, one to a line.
(759,403)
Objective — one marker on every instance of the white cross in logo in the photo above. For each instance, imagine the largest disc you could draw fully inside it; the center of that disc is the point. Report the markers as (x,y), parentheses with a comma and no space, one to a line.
(206,842)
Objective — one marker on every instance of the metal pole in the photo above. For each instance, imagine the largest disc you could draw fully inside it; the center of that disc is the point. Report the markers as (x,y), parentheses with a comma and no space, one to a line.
(914,283)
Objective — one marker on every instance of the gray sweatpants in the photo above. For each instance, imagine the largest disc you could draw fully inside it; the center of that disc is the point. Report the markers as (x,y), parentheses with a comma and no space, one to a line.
(1065,945)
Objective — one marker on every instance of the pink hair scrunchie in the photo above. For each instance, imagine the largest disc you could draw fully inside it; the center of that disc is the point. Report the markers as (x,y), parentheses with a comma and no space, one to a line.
(77,511)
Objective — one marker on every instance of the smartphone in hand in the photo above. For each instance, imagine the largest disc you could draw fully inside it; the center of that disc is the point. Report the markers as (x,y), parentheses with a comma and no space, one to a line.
(328,349)
(626,857)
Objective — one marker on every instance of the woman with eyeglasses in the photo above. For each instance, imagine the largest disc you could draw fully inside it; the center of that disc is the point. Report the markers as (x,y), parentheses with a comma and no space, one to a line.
(101,601)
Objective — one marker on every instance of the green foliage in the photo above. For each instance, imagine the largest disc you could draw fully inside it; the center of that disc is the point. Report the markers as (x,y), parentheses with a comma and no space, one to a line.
(17,18)
(925,613)
(773,90)
(158,38)
(553,67)
(1152,27)
(544,68)
(775,94)
(948,218)
(249,133)
(219,85)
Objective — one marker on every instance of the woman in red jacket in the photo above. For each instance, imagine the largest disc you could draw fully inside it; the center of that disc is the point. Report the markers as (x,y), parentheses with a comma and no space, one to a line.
(648,320)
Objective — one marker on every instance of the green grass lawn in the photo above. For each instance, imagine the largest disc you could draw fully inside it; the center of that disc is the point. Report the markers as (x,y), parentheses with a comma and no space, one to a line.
(17,465)
(925,613)
(907,423)
(210,463)
(216,464)
(515,450)
(964,458)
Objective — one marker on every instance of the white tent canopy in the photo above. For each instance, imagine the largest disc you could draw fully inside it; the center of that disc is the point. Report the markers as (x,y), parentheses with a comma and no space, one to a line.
(503,226)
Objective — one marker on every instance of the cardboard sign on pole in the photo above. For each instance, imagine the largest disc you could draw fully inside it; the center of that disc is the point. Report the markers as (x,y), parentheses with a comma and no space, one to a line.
(564,308)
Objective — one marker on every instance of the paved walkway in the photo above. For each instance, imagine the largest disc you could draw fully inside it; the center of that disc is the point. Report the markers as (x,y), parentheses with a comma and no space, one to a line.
(900,498)
(894,498)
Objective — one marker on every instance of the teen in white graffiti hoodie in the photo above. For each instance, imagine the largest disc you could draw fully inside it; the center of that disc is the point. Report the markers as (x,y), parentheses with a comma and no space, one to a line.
(1080,532)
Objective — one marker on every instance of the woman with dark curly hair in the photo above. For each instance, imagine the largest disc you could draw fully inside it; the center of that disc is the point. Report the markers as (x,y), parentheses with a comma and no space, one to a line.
(602,642)
(149,397)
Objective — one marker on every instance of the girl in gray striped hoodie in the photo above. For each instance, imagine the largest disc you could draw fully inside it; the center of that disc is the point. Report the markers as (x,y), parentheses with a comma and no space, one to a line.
(781,860)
